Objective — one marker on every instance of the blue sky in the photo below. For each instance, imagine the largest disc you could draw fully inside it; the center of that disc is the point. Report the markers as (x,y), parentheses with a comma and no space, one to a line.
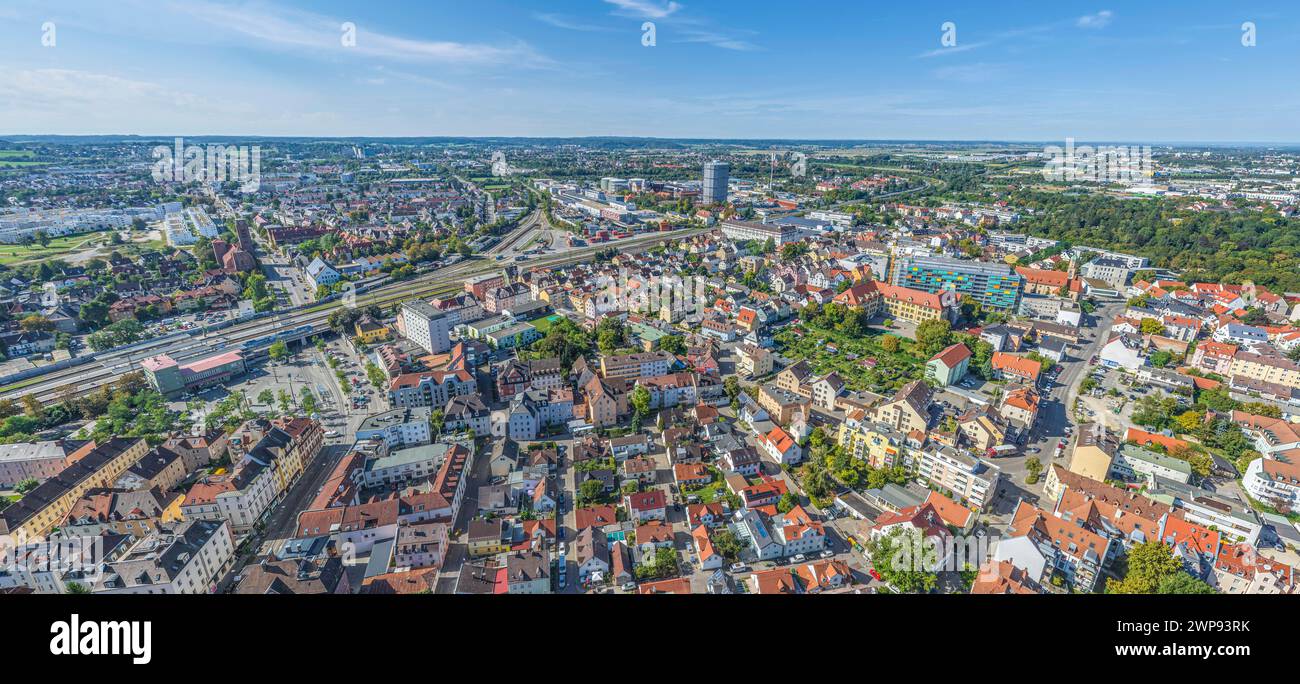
(1149,72)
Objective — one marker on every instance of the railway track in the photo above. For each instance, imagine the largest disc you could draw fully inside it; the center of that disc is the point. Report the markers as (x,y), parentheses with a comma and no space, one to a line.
(81,380)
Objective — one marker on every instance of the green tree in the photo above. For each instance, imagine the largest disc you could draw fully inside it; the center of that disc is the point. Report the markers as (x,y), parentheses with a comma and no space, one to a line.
(673,344)
(278,351)
(640,401)
(1034,467)
(376,375)
(308,401)
(1149,563)
(590,491)
(1183,583)
(727,544)
(266,397)
(1151,326)
(933,335)
(902,558)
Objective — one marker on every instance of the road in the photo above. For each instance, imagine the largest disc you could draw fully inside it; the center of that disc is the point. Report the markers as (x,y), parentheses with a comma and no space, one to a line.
(457,547)
(1053,416)
(55,386)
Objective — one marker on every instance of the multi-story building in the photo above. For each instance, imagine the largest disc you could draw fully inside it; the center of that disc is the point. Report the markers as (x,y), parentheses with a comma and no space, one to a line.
(781,404)
(426,326)
(399,427)
(190,559)
(38,461)
(639,365)
(134,512)
(1278,370)
(949,366)
(528,572)
(90,467)
(171,378)
(908,410)
(971,480)
(716,178)
(744,231)
(431,388)
(918,306)
(993,285)
(1273,482)
(1094,451)
(879,446)
(1045,544)
(1113,272)
(403,465)
(1132,462)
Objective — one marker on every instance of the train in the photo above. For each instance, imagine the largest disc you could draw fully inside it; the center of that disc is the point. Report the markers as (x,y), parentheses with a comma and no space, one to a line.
(282,336)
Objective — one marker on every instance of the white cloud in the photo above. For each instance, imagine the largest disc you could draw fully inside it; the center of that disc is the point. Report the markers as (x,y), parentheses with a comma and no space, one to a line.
(1095,21)
(960,47)
(296,29)
(717,40)
(560,21)
(645,8)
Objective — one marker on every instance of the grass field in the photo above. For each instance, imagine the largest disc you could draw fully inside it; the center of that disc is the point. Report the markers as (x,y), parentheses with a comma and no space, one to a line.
(17,158)
(861,362)
(61,247)
(13,254)
(544,324)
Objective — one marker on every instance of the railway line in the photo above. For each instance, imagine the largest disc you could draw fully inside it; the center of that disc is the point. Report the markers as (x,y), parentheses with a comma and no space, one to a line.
(79,380)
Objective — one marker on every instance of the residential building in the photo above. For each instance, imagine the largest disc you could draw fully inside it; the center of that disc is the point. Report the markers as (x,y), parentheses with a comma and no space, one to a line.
(949,366)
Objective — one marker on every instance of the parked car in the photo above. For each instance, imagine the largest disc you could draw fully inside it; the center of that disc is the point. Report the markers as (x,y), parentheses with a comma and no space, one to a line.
(798,558)
(739,567)
(826,554)
(629,586)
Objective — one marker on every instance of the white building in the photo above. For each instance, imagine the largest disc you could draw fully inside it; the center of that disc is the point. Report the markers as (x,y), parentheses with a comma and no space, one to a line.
(1272,481)
(188,560)
(398,427)
(426,326)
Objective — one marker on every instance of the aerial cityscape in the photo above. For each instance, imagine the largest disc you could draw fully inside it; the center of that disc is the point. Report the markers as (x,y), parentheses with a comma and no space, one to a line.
(452,349)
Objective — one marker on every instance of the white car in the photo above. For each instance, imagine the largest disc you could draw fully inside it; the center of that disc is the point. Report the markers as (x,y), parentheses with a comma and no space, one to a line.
(827,553)
(739,567)
(799,558)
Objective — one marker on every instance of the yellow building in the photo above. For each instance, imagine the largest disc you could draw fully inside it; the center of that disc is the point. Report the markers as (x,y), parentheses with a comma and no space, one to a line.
(90,467)
(916,306)
(879,446)
(488,538)
(981,431)
(1275,369)
(370,331)
(1093,452)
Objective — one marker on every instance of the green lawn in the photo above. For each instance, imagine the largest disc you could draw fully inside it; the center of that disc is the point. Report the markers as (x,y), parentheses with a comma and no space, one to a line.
(18,158)
(544,324)
(829,350)
(12,254)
